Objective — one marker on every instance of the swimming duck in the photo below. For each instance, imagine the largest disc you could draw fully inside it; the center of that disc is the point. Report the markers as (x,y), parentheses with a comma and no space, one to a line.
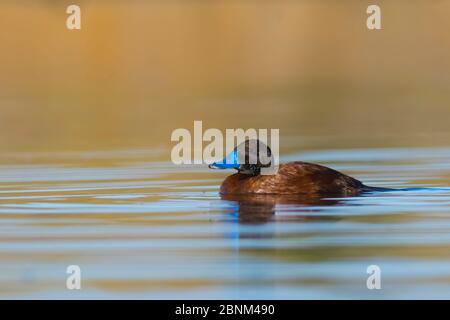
(296,177)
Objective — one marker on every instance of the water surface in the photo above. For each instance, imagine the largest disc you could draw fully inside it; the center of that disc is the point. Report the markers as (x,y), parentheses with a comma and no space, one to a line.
(143,228)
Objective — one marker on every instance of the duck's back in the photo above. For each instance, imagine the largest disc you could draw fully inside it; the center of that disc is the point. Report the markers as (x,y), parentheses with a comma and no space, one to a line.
(294,178)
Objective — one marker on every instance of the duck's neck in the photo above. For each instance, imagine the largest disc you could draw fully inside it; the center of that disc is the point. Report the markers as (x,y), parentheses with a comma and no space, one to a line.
(250,169)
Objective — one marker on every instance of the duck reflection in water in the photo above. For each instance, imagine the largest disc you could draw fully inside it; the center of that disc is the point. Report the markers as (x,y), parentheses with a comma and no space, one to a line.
(261,208)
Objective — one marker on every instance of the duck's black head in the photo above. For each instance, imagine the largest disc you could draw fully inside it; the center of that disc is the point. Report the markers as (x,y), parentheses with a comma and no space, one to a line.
(247,158)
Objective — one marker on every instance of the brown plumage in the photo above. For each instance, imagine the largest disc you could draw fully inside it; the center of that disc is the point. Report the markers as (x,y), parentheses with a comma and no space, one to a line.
(295,178)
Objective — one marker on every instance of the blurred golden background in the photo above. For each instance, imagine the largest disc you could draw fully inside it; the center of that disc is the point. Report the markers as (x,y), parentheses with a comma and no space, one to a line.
(139,69)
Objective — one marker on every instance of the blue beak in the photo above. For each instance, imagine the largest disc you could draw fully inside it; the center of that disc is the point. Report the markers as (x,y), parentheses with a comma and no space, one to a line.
(230,162)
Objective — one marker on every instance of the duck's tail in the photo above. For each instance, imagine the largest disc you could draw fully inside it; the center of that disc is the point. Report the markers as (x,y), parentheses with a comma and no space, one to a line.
(377,189)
